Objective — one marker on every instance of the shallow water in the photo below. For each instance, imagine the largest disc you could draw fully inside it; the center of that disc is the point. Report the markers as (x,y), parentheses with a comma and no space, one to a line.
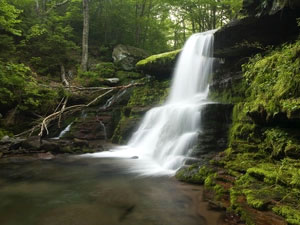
(90,191)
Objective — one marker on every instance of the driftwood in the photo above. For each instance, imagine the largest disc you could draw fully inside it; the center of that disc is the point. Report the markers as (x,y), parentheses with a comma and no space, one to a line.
(57,114)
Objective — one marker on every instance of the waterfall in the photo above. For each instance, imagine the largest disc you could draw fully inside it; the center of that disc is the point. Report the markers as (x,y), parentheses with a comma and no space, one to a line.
(63,132)
(168,133)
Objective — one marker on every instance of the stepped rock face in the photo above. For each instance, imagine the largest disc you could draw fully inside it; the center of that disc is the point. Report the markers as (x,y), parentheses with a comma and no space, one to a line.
(245,37)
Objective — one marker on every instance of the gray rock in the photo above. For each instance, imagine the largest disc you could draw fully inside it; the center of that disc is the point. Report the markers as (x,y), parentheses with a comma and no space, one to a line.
(80,142)
(5,138)
(50,146)
(127,56)
(113,80)
(31,143)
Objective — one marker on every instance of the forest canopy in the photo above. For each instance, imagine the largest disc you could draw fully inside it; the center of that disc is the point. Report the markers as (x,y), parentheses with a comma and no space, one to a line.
(46,33)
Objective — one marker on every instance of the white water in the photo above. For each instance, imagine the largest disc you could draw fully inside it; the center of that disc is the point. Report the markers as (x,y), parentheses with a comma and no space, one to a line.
(63,132)
(168,133)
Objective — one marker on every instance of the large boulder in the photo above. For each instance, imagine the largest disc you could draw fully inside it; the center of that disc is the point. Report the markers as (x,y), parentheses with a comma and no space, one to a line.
(127,56)
(160,66)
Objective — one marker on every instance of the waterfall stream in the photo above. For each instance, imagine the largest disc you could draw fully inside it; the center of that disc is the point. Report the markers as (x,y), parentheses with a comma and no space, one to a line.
(63,132)
(168,133)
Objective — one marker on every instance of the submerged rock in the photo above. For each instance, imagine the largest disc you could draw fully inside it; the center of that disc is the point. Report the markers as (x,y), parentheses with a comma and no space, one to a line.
(45,156)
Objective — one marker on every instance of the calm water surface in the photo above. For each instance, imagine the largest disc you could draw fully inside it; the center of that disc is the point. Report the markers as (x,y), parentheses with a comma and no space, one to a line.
(89,191)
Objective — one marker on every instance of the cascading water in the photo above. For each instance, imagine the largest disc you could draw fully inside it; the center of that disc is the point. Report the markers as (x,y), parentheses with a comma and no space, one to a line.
(63,132)
(167,133)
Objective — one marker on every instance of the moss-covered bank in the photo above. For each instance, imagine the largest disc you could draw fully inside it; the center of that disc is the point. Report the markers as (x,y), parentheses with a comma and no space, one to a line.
(258,176)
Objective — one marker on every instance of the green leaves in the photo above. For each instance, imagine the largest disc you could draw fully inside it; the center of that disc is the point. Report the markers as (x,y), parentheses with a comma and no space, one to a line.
(8,18)
(18,88)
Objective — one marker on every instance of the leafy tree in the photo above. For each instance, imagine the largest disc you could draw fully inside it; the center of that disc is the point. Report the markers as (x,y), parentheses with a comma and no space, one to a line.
(9,18)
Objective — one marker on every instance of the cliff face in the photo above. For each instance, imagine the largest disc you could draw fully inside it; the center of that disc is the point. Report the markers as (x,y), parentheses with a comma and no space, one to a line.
(265,24)
(258,175)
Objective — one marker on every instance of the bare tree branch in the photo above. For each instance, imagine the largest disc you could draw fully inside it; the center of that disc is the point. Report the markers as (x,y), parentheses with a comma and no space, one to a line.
(56,5)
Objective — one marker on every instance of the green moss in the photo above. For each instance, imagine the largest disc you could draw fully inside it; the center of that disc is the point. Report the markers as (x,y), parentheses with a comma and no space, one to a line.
(241,162)
(281,143)
(291,107)
(243,131)
(89,79)
(153,92)
(193,174)
(162,58)
(291,214)
(210,180)
(219,191)
(252,200)
(104,69)
(272,80)
(127,77)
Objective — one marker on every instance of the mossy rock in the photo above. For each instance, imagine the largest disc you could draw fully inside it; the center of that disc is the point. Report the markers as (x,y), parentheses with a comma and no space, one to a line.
(160,66)
(125,129)
(193,174)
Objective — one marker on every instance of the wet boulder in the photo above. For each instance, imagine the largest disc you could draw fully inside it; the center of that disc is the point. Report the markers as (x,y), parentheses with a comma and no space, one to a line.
(126,56)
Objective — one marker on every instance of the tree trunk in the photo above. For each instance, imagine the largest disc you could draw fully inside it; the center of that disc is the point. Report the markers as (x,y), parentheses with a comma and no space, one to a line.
(37,6)
(63,75)
(85,35)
